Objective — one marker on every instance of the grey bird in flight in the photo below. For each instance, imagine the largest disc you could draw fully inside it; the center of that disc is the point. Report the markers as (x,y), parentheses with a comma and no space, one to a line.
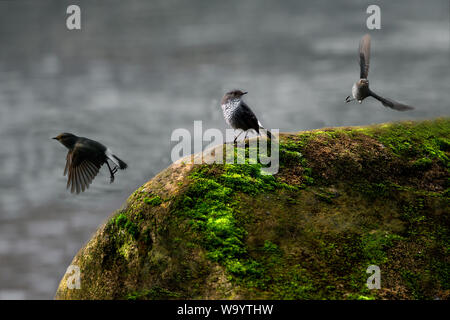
(360,89)
(84,159)
(238,114)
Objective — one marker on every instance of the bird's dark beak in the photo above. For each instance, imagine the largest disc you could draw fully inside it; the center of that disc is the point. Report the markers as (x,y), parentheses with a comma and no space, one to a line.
(56,138)
(244,92)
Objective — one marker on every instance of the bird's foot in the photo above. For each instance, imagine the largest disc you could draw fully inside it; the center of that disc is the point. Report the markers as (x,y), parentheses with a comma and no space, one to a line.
(347,100)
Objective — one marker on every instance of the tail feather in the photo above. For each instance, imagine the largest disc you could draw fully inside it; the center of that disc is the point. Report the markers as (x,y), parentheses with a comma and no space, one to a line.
(268,133)
(122,165)
(118,162)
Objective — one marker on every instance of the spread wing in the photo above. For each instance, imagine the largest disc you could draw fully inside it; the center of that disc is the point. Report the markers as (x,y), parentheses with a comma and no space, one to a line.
(81,170)
(247,118)
(391,103)
(364,56)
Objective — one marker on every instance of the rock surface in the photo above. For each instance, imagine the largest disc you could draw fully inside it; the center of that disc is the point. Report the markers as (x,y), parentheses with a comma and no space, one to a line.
(343,199)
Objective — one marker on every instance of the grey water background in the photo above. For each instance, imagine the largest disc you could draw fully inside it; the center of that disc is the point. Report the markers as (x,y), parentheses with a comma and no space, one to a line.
(140,69)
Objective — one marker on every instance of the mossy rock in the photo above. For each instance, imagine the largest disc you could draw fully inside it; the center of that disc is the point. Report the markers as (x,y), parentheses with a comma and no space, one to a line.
(343,199)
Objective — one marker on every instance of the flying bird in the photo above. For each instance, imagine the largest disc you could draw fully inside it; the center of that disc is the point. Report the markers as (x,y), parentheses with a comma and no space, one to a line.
(84,159)
(360,89)
(238,114)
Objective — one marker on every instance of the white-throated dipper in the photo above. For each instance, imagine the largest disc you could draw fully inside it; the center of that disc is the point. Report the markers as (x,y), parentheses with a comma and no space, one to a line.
(360,89)
(238,114)
(84,159)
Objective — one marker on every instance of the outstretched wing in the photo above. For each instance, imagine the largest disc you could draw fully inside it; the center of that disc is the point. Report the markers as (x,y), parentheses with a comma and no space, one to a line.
(364,56)
(81,170)
(391,103)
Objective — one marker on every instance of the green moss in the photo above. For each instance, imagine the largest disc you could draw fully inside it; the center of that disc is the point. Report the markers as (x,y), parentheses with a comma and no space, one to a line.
(375,246)
(325,196)
(122,222)
(211,205)
(413,213)
(440,267)
(359,297)
(422,163)
(153,201)
(271,247)
(418,140)
(291,156)
(247,179)
(374,190)
(413,281)
(294,285)
(156,293)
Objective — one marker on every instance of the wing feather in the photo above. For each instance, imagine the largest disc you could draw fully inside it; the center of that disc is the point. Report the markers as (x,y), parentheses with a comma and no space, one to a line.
(68,160)
(364,56)
(391,103)
(69,179)
(80,171)
(82,177)
(77,179)
(90,171)
(73,181)
(248,117)
(86,175)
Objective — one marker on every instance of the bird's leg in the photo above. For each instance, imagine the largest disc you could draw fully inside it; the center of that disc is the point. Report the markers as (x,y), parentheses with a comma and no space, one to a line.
(245,137)
(111,179)
(114,170)
(347,100)
(235,139)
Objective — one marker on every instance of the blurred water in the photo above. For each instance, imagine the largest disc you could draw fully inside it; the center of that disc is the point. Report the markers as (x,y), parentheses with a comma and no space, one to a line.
(139,69)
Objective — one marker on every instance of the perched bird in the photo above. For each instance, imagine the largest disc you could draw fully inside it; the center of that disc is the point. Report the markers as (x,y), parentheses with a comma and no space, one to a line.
(238,114)
(84,159)
(360,89)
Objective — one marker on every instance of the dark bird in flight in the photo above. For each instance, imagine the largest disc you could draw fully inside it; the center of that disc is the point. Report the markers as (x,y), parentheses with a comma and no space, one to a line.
(360,89)
(84,159)
(238,114)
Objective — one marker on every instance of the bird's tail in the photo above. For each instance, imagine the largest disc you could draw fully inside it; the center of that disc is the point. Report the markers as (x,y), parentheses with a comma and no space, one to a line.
(118,162)
(122,165)
(267,132)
